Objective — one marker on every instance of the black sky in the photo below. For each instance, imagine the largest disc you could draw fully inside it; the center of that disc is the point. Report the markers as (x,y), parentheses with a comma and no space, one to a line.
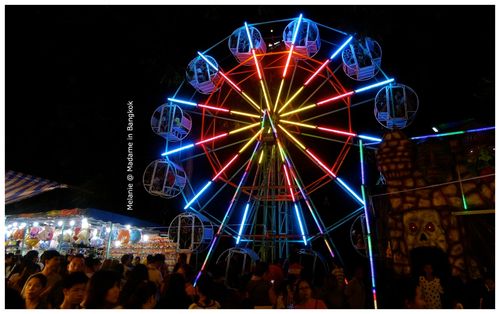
(70,71)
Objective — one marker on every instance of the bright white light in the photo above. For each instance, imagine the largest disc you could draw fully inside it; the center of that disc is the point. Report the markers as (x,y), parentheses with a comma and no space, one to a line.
(272,30)
(36,224)
(94,233)
(435,129)
(60,223)
(128,227)
(22,225)
(9,226)
(72,223)
(15,224)
(85,223)
(146,238)
(118,243)
(108,229)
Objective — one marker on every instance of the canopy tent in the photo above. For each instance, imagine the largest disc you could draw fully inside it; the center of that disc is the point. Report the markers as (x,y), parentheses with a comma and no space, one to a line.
(19,186)
(93,213)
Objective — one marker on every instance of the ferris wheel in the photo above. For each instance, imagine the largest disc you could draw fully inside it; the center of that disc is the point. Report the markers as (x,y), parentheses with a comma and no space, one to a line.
(274,122)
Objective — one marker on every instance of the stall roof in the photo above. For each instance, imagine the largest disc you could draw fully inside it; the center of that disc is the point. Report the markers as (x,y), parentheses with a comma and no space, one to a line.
(94,213)
(20,186)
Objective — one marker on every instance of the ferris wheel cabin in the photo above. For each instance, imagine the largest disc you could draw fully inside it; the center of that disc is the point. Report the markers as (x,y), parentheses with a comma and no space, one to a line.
(171,122)
(362,59)
(307,42)
(202,76)
(396,106)
(164,178)
(240,45)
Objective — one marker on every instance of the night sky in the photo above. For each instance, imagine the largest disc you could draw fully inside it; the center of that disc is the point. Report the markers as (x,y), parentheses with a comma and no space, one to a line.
(70,71)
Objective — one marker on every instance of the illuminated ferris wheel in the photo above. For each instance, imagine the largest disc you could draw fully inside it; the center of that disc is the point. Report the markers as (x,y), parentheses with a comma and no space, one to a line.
(274,123)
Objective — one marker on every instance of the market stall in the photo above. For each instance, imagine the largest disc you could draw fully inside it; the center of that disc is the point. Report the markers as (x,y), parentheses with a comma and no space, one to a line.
(87,231)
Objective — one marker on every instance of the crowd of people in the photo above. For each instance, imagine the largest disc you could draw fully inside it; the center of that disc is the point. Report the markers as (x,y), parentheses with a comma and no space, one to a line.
(54,281)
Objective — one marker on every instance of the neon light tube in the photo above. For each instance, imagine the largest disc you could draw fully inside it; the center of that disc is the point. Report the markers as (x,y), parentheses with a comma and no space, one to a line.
(212,244)
(249,37)
(208,61)
(225,167)
(317,71)
(336,131)
(293,138)
(453,133)
(359,90)
(288,61)
(307,203)
(251,101)
(214,108)
(328,60)
(321,164)
(297,29)
(299,124)
(298,110)
(177,150)
(279,93)
(300,224)
(242,224)
(244,128)
(244,114)
(265,95)
(261,155)
(250,141)
(292,98)
(257,64)
(367,223)
(334,98)
(341,48)
(211,139)
(370,138)
(350,191)
(190,103)
(198,194)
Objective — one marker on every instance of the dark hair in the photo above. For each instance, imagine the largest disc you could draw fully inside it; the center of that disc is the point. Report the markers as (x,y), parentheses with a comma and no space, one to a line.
(30,255)
(48,255)
(74,279)
(141,295)
(100,283)
(125,258)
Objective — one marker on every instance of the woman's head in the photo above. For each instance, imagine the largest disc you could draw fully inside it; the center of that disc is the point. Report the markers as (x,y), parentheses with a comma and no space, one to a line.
(304,290)
(34,286)
(103,290)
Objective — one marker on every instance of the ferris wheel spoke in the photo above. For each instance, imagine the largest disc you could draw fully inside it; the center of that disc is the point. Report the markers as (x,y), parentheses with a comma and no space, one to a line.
(211,139)
(228,211)
(223,168)
(314,213)
(214,108)
(337,97)
(232,84)
(287,64)
(308,152)
(260,71)
(325,63)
